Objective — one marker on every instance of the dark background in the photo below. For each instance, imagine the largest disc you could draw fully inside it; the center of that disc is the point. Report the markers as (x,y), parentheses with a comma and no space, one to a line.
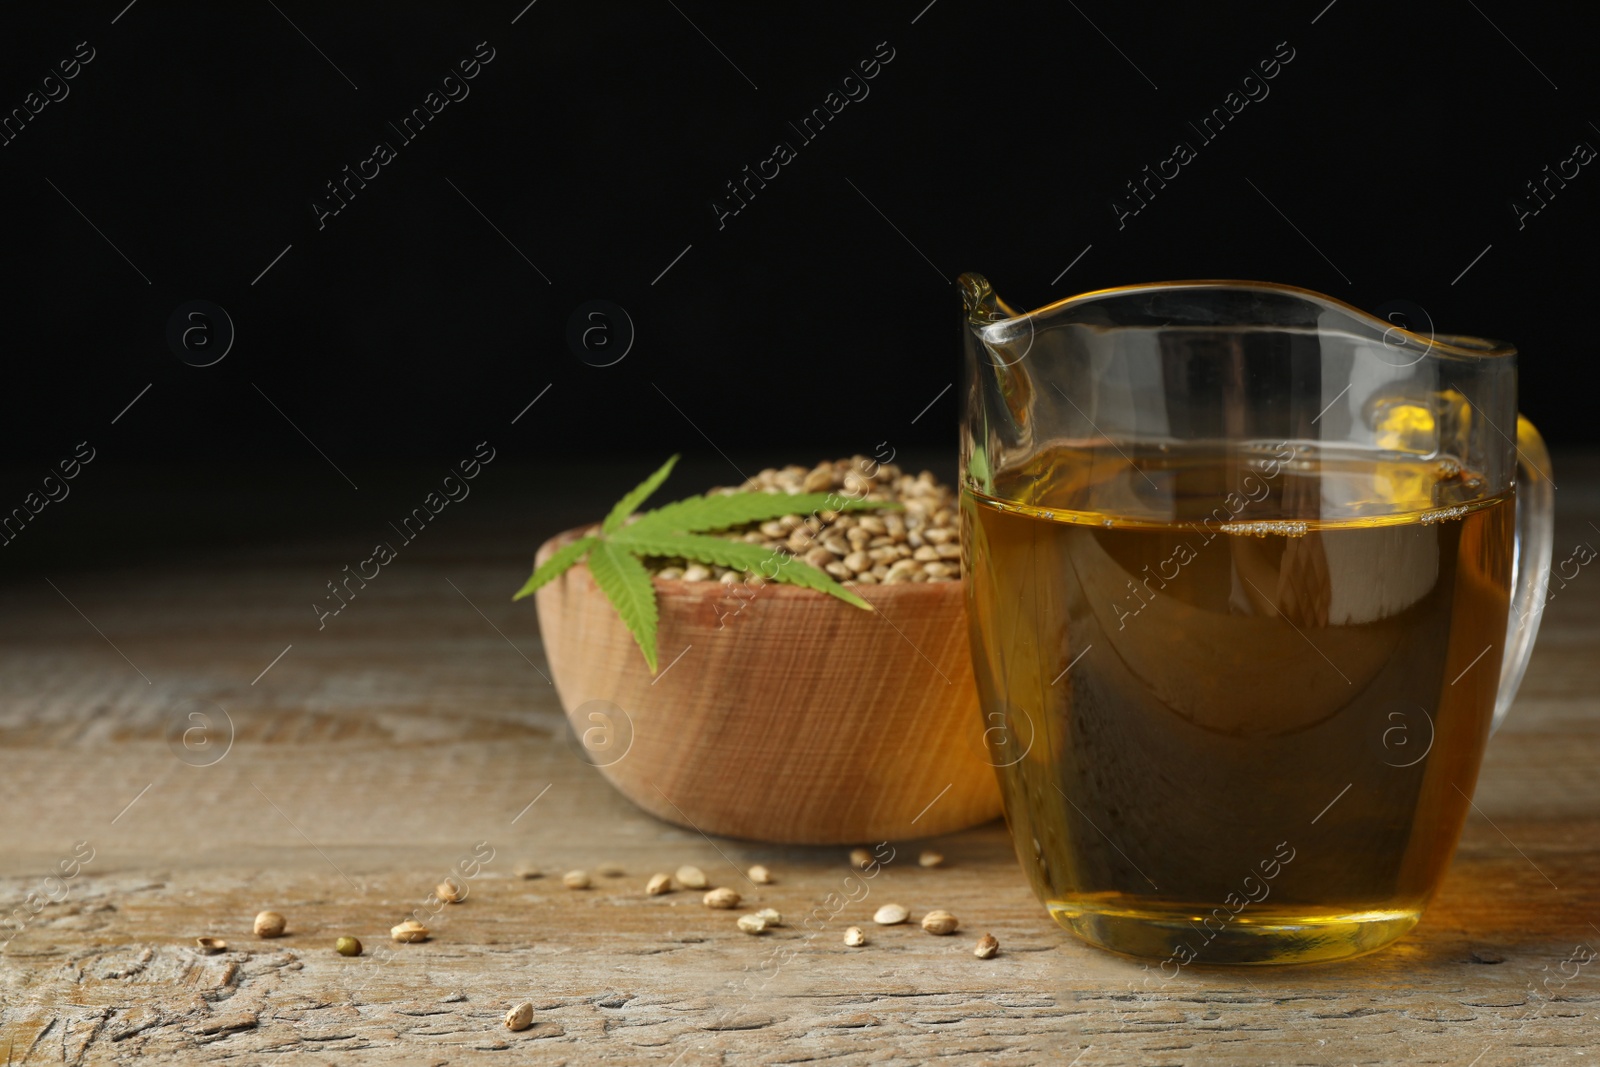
(820,320)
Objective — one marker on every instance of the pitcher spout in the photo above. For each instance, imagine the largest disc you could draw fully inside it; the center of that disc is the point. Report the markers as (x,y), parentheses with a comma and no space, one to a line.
(999,386)
(982,302)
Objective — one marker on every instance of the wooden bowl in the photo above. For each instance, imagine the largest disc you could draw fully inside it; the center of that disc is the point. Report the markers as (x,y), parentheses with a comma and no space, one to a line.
(786,715)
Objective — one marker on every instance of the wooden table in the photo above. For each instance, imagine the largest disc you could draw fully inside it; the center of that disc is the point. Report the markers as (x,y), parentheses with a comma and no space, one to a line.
(416,729)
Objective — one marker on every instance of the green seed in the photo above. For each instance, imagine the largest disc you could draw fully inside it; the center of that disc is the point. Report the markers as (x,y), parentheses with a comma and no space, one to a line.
(347,946)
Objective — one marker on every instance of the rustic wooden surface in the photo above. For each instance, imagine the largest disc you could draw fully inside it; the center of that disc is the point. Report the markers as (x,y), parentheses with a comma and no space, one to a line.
(416,729)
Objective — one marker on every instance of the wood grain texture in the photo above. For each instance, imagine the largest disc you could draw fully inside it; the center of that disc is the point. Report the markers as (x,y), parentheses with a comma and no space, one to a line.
(414,731)
(779,714)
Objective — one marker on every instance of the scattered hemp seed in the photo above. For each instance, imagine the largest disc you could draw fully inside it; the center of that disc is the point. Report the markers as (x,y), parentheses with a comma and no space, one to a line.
(721,897)
(520,1017)
(854,937)
(610,870)
(772,916)
(940,921)
(269,924)
(450,891)
(759,875)
(691,877)
(409,932)
(860,859)
(576,879)
(658,884)
(987,947)
(210,946)
(752,924)
(347,946)
(931,859)
(890,914)
(526,870)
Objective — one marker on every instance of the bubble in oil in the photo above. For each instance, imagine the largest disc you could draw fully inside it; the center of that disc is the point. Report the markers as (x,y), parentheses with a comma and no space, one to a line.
(1267,528)
(1443,514)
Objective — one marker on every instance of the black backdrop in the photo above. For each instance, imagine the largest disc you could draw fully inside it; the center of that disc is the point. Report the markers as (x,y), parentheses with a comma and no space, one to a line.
(582,161)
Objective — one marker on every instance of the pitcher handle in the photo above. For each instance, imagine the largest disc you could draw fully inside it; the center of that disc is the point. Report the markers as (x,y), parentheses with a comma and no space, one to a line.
(1530,562)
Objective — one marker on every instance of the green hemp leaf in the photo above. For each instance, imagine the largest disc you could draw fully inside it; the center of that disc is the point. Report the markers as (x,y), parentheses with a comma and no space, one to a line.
(680,530)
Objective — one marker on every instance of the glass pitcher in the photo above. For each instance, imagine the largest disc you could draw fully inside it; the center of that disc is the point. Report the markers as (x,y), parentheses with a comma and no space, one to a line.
(1252,577)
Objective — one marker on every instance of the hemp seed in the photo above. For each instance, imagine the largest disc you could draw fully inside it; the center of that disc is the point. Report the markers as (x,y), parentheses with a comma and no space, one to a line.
(902,571)
(658,884)
(931,859)
(839,541)
(409,932)
(860,859)
(721,897)
(347,946)
(759,875)
(520,1017)
(210,946)
(890,915)
(772,916)
(940,922)
(527,870)
(752,924)
(450,891)
(854,937)
(576,880)
(269,924)
(987,947)
(691,877)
